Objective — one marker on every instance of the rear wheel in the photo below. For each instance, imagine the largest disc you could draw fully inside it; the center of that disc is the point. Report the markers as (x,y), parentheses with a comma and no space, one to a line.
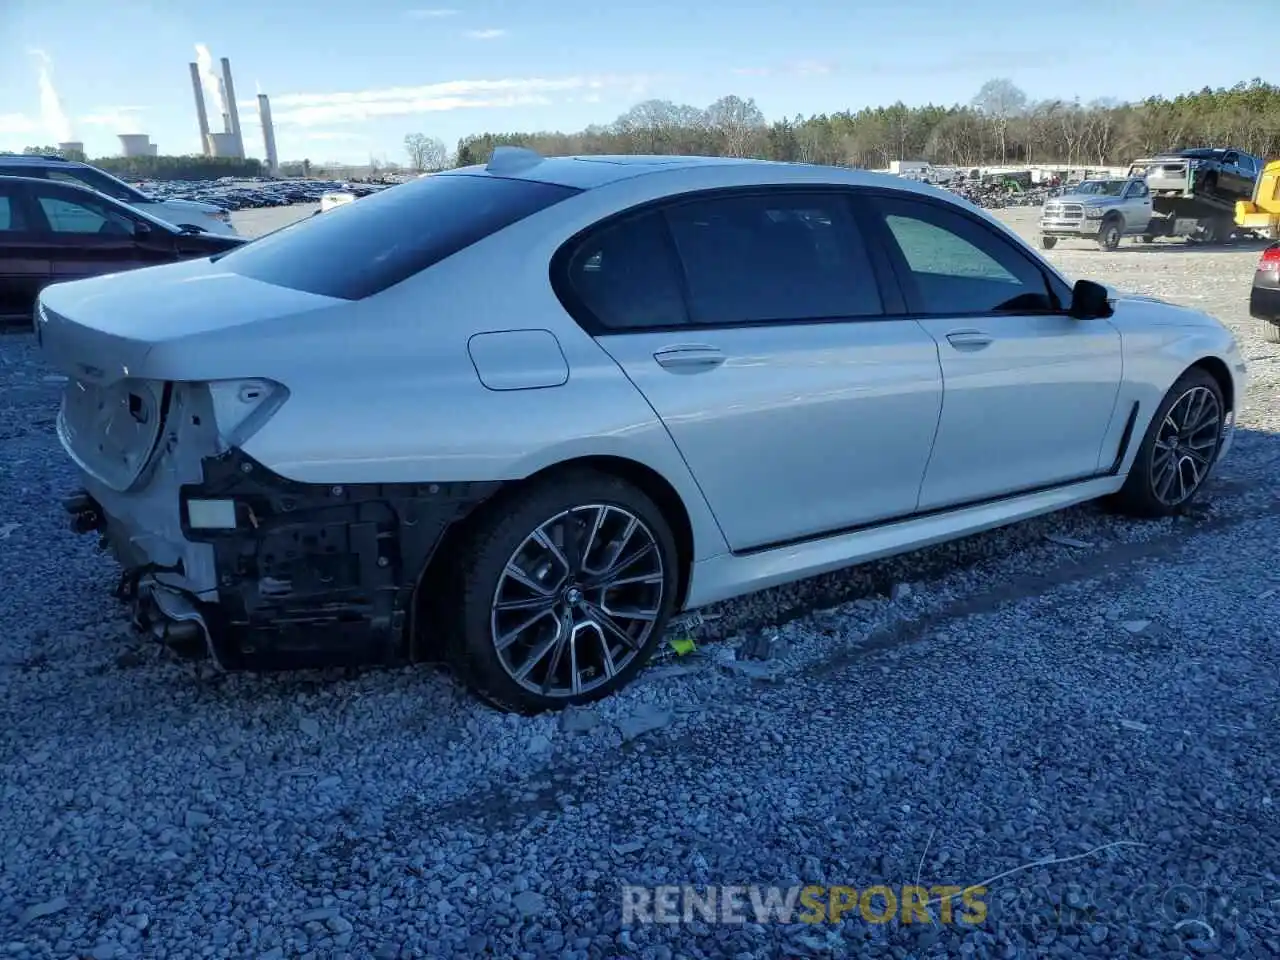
(1048,242)
(1148,238)
(1110,235)
(1178,450)
(1270,331)
(565,593)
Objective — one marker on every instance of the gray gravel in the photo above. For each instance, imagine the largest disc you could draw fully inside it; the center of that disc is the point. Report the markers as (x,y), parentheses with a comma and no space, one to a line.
(1074,687)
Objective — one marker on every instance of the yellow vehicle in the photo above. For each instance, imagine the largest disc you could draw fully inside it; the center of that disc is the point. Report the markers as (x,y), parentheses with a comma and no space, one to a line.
(1262,213)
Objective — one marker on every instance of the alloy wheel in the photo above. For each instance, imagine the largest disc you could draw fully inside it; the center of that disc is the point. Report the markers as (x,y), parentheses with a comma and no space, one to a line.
(1185,446)
(578,600)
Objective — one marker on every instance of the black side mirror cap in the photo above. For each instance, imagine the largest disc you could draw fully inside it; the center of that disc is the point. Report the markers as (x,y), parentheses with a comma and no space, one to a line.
(1090,301)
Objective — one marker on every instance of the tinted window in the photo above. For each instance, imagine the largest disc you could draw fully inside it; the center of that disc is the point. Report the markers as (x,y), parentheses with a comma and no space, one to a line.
(83,216)
(755,259)
(959,266)
(357,249)
(96,180)
(626,277)
(9,214)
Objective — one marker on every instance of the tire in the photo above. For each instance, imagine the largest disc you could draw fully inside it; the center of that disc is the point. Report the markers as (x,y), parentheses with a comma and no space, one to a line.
(1269,331)
(517,536)
(1110,235)
(1141,495)
(1209,186)
(1048,242)
(1148,238)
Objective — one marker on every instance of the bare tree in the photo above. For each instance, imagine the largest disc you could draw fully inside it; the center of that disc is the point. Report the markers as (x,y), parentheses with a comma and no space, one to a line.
(738,122)
(426,153)
(1000,100)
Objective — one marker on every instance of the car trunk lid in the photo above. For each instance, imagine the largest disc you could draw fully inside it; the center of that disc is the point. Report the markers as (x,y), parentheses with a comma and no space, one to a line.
(121,339)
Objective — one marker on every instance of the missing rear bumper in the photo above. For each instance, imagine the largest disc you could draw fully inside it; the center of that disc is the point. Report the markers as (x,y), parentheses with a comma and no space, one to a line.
(303,574)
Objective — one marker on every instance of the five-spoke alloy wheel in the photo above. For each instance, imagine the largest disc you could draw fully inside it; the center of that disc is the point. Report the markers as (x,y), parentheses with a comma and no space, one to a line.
(566,592)
(1179,449)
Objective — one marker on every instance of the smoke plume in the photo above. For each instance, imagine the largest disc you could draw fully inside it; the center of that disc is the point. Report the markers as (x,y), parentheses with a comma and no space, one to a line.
(55,118)
(213,93)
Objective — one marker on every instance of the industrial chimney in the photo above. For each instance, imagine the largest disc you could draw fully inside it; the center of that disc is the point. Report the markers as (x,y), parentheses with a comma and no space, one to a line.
(233,112)
(268,136)
(201,115)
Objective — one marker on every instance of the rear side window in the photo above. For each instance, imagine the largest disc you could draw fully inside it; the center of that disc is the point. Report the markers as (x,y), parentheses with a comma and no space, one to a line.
(626,277)
(361,248)
(8,214)
(95,179)
(783,257)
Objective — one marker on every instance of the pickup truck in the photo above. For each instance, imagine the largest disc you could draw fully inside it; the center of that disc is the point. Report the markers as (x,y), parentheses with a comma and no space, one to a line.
(1101,210)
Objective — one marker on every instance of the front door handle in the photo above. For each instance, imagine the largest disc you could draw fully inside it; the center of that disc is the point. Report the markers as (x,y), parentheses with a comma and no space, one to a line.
(969,339)
(689,359)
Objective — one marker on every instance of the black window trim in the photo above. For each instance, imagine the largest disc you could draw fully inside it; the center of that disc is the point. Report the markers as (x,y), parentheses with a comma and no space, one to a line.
(1056,287)
(892,280)
(886,282)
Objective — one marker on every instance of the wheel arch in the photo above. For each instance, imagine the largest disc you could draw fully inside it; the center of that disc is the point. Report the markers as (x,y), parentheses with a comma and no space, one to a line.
(1217,368)
(427,603)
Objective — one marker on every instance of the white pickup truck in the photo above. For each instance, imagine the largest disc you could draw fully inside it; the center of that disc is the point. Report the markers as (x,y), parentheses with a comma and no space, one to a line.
(1101,210)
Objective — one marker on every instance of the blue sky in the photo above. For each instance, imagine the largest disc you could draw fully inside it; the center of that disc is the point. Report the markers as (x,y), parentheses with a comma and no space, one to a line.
(348,80)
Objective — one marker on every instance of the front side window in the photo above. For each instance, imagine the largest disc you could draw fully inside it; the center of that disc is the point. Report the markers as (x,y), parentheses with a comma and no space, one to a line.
(779,257)
(626,277)
(358,249)
(955,265)
(84,217)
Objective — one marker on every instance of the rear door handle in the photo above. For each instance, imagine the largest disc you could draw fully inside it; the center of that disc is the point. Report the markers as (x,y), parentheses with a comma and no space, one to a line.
(969,339)
(690,359)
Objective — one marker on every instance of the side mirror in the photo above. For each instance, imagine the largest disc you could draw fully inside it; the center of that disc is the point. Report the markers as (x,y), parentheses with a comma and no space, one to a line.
(141,228)
(1089,301)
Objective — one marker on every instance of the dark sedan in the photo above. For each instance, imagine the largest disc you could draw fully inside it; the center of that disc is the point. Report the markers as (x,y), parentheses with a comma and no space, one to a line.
(50,232)
(1264,298)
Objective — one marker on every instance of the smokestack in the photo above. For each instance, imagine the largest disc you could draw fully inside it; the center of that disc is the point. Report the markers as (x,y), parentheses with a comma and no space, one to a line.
(233,112)
(268,135)
(200,112)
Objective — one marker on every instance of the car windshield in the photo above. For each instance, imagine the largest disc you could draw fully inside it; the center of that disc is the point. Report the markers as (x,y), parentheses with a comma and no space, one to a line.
(358,249)
(1101,188)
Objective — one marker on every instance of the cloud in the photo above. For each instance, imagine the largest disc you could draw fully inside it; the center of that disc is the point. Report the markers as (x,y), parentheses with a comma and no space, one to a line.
(799,68)
(491,34)
(16,124)
(433,13)
(326,109)
(118,119)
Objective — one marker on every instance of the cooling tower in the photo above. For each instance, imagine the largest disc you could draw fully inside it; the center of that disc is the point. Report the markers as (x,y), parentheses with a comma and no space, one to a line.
(268,136)
(233,112)
(223,145)
(201,115)
(137,145)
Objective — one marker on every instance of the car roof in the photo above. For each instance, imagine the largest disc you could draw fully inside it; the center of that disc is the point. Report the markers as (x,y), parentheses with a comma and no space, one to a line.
(36,160)
(586,172)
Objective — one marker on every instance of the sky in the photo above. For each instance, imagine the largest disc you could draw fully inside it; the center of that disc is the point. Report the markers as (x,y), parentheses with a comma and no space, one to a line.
(348,80)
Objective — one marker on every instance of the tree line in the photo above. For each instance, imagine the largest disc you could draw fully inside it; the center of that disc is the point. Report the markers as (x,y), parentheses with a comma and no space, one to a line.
(195,167)
(1000,125)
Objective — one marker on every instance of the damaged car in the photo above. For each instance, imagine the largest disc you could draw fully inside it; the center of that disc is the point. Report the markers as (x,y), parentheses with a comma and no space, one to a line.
(517,416)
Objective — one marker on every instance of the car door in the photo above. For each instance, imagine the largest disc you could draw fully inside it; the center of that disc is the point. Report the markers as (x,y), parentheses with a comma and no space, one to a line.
(1138,209)
(1029,391)
(24,255)
(91,236)
(753,324)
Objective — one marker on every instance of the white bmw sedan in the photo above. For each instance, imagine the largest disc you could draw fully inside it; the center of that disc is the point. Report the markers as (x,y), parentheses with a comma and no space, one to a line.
(519,415)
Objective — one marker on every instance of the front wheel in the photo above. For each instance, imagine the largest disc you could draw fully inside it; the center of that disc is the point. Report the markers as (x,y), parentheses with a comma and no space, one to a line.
(1178,450)
(564,593)
(1110,235)
(1048,242)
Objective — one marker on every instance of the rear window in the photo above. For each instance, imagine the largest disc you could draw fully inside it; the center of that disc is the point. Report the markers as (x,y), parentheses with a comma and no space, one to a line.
(360,248)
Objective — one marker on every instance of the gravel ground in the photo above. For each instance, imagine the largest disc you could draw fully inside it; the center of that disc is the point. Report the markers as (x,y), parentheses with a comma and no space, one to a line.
(1078,688)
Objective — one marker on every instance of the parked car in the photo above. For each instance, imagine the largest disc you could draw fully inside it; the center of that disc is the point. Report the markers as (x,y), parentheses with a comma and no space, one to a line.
(1101,210)
(590,392)
(1264,297)
(208,217)
(1212,173)
(51,232)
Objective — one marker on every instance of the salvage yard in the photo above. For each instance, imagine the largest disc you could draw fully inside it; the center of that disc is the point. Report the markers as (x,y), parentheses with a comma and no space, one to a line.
(1083,689)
